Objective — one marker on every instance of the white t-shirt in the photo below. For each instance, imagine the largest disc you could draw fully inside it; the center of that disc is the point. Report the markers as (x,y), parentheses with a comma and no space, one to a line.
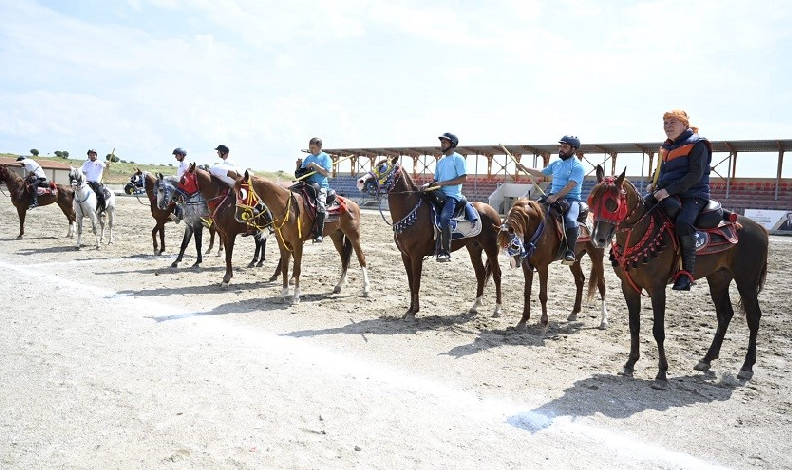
(183,166)
(93,170)
(32,167)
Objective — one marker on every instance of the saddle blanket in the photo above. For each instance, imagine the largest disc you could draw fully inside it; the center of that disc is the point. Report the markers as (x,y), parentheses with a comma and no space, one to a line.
(715,240)
(461,227)
(42,191)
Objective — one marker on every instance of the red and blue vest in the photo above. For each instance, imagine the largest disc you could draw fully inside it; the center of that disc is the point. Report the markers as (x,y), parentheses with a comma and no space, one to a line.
(675,159)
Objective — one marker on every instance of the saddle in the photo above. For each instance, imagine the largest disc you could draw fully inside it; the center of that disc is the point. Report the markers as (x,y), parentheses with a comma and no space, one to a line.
(49,188)
(558,209)
(334,203)
(465,222)
(716,227)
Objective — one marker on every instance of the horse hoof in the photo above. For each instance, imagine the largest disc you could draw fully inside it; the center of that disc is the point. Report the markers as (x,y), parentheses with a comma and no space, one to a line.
(572,317)
(659,384)
(295,300)
(251,264)
(702,366)
(521,327)
(366,293)
(497,313)
(337,290)
(745,374)
(409,317)
(174,265)
(196,266)
(626,373)
(273,278)
(224,285)
(603,325)
(19,237)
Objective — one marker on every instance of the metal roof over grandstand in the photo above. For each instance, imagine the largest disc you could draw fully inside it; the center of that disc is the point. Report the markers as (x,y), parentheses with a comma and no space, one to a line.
(732,146)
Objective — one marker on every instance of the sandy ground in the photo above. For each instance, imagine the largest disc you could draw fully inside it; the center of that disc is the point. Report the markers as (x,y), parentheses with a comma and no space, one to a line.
(111,360)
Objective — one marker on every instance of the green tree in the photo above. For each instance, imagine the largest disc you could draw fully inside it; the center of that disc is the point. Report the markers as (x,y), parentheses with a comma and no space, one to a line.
(34,152)
(108,157)
(65,154)
(59,154)
(115,159)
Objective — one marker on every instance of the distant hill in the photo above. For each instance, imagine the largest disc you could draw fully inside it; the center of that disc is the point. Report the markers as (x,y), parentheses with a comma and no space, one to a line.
(120,172)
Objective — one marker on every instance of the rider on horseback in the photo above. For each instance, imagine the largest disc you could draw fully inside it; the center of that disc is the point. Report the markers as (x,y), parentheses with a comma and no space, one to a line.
(321,164)
(93,171)
(35,176)
(179,153)
(450,174)
(684,172)
(221,169)
(568,174)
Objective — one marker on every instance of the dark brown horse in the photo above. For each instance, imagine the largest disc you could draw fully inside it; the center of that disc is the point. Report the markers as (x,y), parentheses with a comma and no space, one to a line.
(293,225)
(414,232)
(21,198)
(222,206)
(143,181)
(645,258)
(532,239)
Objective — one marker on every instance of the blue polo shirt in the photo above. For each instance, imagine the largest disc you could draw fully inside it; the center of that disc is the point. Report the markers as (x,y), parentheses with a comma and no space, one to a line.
(450,167)
(322,160)
(564,171)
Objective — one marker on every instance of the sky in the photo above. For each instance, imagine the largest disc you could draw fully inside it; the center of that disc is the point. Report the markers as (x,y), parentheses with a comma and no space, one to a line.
(263,77)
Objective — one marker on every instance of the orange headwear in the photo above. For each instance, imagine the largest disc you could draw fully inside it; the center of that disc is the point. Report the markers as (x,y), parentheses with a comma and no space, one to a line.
(681,116)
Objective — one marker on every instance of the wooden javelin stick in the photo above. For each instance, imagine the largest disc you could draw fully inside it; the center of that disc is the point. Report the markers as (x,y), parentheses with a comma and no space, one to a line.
(529,174)
(314,171)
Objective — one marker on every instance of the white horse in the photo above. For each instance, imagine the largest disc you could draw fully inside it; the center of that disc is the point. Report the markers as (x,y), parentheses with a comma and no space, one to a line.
(85,206)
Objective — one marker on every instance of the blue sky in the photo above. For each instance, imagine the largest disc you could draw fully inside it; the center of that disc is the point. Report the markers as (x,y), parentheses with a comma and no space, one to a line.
(263,77)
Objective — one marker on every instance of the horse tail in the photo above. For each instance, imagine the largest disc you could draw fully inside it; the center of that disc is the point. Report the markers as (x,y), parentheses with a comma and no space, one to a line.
(594,278)
(346,254)
(487,271)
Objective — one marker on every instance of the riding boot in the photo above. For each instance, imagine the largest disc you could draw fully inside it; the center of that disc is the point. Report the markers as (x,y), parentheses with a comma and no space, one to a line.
(178,213)
(571,240)
(445,244)
(320,220)
(34,201)
(684,279)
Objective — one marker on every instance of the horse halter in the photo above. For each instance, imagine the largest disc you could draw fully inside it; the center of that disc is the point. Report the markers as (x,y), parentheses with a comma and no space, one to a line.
(385,175)
(516,247)
(612,207)
(249,206)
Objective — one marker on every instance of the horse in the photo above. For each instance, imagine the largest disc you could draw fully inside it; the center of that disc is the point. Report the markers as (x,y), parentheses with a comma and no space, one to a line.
(85,206)
(143,182)
(414,232)
(194,210)
(640,237)
(293,223)
(532,240)
(21,198)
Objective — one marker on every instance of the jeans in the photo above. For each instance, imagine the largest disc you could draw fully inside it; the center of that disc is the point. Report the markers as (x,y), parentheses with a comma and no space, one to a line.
(448,211)
(570,218)
(691,208)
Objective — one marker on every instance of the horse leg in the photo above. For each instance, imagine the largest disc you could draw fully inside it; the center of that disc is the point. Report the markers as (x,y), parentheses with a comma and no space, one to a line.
(229,249)
(658,331)
(154,238)
(749,291)
(256,239)
(95,231)
(580,280)
(495,272)
(296,270)
(21,213)
(597,280)
(65,206)
(528,278)
(275,274)
(284,267)
(261,249)
(212,232)
(198,236)
(719,292)
(409,315)
(110,223)
(633,300)
(344,248)
(188,233)
(79,230)
(354,238)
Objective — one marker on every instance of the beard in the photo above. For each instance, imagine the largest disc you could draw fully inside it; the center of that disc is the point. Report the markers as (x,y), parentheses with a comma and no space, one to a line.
(564,156)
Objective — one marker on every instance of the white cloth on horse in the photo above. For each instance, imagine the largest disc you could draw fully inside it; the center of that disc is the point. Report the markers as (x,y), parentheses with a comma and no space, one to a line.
(183,166)
(221,169)
(32,167)
(93,171)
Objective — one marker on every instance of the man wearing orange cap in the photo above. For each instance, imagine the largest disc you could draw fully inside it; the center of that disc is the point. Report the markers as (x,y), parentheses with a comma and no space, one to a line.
(685,159)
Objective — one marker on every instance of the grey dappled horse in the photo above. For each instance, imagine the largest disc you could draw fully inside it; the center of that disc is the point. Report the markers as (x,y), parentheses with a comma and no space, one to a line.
(194,208)
(85,206)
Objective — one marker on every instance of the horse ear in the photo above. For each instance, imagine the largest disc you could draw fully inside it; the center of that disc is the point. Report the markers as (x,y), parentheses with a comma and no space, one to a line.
(393,159)
(600,173)
(496,227)
(620,179)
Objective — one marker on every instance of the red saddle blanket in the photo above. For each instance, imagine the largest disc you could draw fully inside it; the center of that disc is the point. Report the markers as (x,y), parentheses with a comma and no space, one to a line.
(51,188)
(715,240)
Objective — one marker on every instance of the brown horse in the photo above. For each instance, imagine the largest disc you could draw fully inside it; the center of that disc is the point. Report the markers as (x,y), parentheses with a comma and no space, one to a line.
(21,198)
(293,224)
(144,181)
(414,232)
(643,261)
(531,238)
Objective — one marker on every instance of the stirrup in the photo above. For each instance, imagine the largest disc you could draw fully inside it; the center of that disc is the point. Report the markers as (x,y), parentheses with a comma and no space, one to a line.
(683,281)
(206,222)
(569,258)
(443,257)
(318,239)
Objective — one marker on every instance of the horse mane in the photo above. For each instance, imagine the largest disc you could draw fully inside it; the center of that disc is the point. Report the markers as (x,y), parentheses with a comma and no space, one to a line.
(522,211)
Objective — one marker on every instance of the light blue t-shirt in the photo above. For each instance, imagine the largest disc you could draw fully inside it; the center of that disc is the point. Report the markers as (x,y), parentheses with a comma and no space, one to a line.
(322,160)
(564,171)
(448,168)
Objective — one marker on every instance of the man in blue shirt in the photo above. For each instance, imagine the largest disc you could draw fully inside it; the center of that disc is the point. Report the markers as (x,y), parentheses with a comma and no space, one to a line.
(568,174)
(320,163)
(450,173)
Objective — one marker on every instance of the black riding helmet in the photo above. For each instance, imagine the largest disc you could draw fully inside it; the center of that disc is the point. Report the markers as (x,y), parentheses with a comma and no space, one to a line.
(222,148)
(570,140)
(20,158)
(179,151)
(451,138)
(90,151)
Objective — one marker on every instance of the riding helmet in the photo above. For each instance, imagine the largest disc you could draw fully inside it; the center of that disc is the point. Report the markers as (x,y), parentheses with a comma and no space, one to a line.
(222,148)
(90,151)
(451,138)
(571,140)
(181,151)
(20,158)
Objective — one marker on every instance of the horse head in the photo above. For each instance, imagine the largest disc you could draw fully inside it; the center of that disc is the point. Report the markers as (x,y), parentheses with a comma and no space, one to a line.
(137,183)
(3,174)
(609,205)
(164,189)
(520,223)
(248,204)
(76,178)
(381,178)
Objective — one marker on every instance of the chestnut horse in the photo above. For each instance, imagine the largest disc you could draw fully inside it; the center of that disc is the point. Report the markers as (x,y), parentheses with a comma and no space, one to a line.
(531,238)
(293,224)
(644,260)
(414,229)
(21,198)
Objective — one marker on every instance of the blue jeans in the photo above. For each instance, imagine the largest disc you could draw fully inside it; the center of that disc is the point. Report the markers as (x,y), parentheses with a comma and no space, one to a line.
(691,208)
(570,218)
(448,211)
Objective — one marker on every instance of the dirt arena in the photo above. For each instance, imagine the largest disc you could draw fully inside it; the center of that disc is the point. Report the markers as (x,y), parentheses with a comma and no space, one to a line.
(111,360)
